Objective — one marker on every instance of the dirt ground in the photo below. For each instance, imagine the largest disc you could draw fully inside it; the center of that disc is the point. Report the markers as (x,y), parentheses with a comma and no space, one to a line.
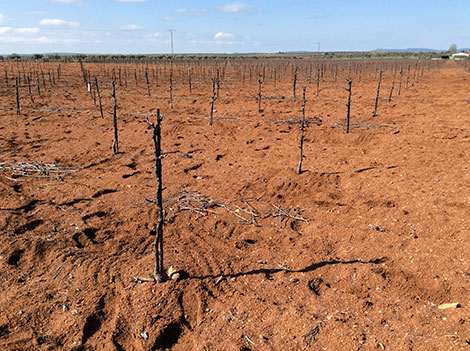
(358,252)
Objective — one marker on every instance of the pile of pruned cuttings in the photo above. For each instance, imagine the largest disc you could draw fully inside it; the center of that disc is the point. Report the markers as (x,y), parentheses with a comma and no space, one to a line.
(364,124)
(244,209)
(35,169)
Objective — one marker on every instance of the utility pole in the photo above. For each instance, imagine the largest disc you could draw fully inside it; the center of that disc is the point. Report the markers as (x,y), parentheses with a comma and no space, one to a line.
(318,46)
(171,36)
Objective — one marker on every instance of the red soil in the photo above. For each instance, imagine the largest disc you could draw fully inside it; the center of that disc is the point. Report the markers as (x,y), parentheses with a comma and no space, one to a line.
(383,244)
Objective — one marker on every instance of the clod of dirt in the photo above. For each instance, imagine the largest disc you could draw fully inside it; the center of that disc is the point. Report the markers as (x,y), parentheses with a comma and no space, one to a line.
(312,335)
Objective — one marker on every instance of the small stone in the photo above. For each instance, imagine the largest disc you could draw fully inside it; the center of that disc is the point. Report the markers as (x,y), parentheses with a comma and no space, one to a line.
(65,308)
(144,335)
(446,306)
(173,273)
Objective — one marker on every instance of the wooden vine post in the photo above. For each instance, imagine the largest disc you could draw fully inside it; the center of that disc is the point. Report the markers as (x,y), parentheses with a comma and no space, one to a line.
(260,83)
(17,87)
(171,88)
(29,90)
(83,74)
(136,82)
(318,83)
(408,77)
(392,87)
(115,141)
(336,75)
(38,83)
(302,128)
(294,83)
(190,82)
(99,97)
(214,97)
(399,85)
(218,83)
(44,79)
(349,90)
(374,113)
(158,273)
(148,82)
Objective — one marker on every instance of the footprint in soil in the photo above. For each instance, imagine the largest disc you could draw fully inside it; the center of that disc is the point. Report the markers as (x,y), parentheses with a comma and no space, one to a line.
(92,325)
(132,165)
(90,233)
(29,206)
(94,321)
(192,168)
(168,337)
(79,241)
(82,238)
(103,192)
(15,257)
(28,227)
(99,214)
(4,330)
(191,308)
(125,176)
(74,201)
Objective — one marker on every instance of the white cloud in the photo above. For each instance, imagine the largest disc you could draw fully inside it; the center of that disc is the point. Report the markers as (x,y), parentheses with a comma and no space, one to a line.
(64,1)
(5,30)
(55,22)
(221,36)
(131,27)
(233,7)
(131,0)
(155,37)
(27,30)
(197,11)
(2,18)
(20,30)
(45,40)
(26,40)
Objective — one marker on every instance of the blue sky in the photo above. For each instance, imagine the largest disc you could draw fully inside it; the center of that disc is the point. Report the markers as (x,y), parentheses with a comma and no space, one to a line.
(141,26)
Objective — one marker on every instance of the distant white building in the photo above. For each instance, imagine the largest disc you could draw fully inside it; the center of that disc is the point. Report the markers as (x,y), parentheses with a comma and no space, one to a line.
(460,55)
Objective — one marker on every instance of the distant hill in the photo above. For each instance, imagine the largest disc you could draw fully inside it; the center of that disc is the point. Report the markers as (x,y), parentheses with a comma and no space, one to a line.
(414,50)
